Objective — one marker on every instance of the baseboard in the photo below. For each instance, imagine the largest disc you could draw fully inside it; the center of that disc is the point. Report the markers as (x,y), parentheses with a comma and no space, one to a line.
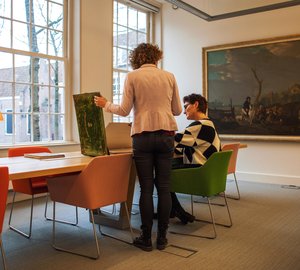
(241,176)
(267,178)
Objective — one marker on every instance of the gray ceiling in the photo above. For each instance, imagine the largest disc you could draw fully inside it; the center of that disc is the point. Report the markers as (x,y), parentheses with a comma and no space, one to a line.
(212,10)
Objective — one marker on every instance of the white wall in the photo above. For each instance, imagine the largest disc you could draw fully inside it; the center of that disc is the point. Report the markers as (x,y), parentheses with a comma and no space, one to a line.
(96,48)
(184,35)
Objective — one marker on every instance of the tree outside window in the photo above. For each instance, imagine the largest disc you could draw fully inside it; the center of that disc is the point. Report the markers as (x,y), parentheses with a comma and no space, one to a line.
(32,70)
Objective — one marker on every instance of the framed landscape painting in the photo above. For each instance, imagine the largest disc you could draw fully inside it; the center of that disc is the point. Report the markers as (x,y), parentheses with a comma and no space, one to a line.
(253,88)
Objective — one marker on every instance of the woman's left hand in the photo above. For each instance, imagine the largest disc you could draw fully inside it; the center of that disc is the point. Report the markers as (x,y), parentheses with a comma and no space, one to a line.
(100,101)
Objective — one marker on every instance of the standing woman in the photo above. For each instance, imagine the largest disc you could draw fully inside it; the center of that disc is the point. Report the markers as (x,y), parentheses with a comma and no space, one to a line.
(153,95)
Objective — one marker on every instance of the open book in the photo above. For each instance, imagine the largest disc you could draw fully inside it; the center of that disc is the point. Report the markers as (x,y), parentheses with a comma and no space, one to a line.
(44,155)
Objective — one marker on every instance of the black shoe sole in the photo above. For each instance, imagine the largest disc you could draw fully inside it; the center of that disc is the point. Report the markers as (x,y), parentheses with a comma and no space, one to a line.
(185,217)
(161,247)
(145,248)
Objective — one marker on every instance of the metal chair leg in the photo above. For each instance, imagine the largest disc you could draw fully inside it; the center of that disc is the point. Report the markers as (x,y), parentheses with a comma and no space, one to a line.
(238,197)
(229,215)
(212,203)
(199,220)
(3,253)
(70,251)
(128,218)
(130,228)
(135,212)
(212,221)
(60,220)
(10,216)
(192,205)
(113,211)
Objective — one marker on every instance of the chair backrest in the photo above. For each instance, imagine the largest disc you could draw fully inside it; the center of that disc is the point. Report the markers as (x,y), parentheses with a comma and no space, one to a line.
(103,182)
(207,180)
(20,151)
(4,179)
(31,185)
(233,160)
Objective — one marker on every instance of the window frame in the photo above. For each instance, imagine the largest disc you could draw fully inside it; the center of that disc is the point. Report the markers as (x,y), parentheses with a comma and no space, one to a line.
(149,38)
(50,59)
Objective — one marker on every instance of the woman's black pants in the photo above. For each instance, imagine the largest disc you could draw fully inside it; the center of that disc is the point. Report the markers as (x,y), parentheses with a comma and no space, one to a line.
(153,153)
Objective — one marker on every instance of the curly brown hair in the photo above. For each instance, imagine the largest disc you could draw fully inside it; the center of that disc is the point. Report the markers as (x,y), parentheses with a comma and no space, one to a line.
(192,98)
(145,53)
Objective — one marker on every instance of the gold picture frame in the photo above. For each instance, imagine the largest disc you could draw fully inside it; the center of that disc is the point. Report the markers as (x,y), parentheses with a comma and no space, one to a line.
(253,88)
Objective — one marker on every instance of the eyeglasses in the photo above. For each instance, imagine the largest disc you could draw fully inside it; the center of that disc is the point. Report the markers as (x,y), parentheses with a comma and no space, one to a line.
(186,105)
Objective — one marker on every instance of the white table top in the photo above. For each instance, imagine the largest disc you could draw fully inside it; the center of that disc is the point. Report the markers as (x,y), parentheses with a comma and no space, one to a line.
(21,167)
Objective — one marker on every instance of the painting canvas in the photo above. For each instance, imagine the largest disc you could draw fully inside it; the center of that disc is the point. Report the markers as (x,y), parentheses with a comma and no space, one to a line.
(253,88)
(91,126)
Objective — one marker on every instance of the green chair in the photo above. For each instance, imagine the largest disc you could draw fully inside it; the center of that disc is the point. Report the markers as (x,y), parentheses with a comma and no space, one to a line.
(206,181)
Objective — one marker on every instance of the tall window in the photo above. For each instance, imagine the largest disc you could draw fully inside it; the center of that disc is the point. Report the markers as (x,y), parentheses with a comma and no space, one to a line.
(32,70)
(131,27)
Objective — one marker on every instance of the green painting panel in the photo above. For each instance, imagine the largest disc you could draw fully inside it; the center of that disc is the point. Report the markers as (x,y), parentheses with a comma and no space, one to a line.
(91,126)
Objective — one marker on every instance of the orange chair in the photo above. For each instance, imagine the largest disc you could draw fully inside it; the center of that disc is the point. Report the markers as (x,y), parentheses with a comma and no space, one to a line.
(232,165)
(3,197)
(30,186)
(103,182)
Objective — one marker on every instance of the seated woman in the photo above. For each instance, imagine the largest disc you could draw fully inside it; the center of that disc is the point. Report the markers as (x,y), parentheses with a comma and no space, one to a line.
(196,144)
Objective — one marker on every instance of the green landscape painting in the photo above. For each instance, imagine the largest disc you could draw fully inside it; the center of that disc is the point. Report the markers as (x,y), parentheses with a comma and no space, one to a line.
(90,125)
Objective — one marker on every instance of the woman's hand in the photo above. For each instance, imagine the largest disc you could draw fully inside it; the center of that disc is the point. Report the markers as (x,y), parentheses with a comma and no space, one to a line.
(100,101)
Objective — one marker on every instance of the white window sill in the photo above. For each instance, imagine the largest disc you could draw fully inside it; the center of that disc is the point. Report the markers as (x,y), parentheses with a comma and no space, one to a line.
(48,144)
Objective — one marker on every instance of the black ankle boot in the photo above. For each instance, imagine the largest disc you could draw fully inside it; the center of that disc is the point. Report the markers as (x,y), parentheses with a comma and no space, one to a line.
(190,218)
(144,241)
(184,217)
(180,215)
(161,241)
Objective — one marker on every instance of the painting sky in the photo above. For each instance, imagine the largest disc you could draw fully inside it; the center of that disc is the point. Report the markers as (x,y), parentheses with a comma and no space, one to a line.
(231,71)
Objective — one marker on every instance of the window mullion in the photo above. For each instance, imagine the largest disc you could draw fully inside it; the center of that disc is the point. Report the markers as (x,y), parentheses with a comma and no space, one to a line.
(131,38)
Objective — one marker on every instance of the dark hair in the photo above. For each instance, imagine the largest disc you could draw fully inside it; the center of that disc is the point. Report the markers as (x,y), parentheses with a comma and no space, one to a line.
(144,53)
(192,98)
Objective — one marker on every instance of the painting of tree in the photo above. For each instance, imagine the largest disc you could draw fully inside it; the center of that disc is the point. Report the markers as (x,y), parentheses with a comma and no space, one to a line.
(253,88)
(90,124)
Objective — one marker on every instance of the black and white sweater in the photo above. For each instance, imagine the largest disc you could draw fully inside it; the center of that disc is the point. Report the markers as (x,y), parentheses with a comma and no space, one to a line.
(197,142)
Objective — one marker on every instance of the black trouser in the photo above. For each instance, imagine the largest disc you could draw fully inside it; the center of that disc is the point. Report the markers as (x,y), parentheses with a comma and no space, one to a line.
(153,153)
